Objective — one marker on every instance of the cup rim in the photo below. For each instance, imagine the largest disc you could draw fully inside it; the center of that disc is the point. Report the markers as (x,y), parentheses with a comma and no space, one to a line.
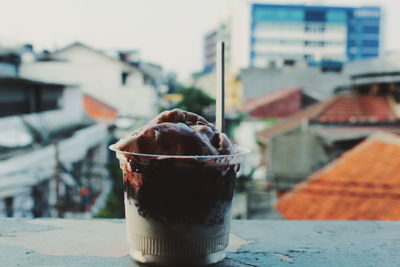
(240,151)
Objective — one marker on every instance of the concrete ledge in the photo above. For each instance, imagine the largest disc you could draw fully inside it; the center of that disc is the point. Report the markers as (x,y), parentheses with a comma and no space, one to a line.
(62,242)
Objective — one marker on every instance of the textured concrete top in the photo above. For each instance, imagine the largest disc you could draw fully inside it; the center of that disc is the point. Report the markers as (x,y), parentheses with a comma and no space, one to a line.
(62,242)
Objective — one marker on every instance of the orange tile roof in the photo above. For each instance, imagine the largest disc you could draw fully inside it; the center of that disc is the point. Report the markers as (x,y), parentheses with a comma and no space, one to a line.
(277,104)
(363,184)
(99,110)
(337,109)
(294,120)
(358,109)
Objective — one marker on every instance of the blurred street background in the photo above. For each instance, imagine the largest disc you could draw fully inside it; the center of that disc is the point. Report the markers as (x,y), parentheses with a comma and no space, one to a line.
(312,88)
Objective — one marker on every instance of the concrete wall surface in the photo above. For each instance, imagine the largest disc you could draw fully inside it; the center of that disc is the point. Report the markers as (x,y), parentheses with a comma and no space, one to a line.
(62,242)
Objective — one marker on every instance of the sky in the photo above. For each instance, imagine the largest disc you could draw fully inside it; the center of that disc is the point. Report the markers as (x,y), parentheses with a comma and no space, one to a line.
(166,32)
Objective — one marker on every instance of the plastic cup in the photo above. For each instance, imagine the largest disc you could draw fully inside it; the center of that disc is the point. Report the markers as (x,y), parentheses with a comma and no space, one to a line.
(178,208)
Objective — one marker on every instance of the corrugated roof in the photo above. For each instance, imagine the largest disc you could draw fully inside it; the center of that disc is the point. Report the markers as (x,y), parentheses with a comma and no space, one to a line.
(280,103)
(363,184)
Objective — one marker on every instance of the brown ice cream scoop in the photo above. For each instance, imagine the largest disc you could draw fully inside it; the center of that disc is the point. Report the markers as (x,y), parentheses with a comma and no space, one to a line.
(177,132)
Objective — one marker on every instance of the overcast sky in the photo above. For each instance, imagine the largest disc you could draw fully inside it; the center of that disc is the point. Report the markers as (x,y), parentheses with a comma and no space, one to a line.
(167,32)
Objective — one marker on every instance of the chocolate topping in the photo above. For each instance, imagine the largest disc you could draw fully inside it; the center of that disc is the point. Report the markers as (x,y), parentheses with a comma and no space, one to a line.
(177,132)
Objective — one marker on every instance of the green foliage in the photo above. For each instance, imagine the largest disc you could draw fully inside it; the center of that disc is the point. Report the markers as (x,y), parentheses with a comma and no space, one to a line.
(172,82)
(243,180)
(161,109)
(115,200)
(194,100)
(271,122)
(241,116)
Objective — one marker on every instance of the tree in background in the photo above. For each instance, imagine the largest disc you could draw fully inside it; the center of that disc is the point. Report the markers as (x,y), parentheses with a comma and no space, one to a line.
(171,81)
(115,201)
(194,100)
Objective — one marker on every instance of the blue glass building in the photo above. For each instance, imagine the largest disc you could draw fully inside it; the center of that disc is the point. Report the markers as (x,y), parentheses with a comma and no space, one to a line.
(313,33)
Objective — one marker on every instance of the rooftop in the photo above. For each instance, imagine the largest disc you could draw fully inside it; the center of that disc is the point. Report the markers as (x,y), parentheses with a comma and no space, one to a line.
(20,81)
(386,63)
(363,184)
(280,103)
(294,120)
(99,110)
(338,133)
(368,113)
(358,109)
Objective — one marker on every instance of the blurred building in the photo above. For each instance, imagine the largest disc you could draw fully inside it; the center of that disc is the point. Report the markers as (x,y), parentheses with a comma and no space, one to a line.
(363,184)
(50,150)
(12,55)
(265,112)
(129,86)
(321,133)
(256,114)
(377,75)
(281,103)
(315,33)
(301,144)
(284,33)
(315,83)
(261,35)
(259,113)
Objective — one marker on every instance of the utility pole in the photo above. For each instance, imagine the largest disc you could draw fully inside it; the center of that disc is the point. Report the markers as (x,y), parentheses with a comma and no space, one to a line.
(57,178)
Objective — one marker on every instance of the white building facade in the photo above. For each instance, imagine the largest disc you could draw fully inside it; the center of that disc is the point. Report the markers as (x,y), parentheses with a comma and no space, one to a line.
(115,82)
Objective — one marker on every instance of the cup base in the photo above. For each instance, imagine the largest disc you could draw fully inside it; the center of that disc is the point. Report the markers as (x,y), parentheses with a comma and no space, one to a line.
(166,260)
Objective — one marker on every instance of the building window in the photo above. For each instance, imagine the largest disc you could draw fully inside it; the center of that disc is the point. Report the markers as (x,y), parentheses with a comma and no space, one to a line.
(371,29)
(370,43)
(314,28)
(336,16)
(124,77)
(318,16)
(48,99)
(308,57)
(352,42)
(314,43)
(15,100)
(370,55)
(9,206)
(289,62)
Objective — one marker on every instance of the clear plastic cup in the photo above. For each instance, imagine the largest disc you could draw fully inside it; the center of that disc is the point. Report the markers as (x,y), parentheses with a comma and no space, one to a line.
(178,208)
